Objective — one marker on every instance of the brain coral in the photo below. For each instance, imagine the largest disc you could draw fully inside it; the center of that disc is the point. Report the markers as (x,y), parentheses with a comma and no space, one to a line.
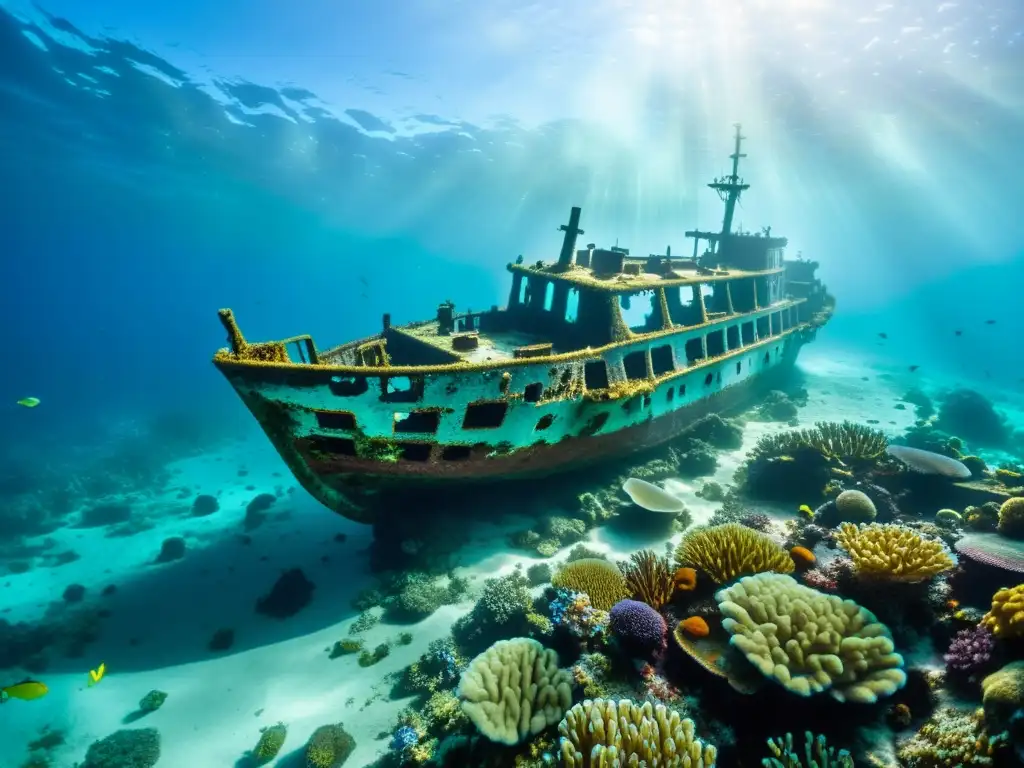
(809,641)
(1011,518)
(1006,617)
(855,506)
(599,579)
(609,733)
(730,550)
(893,552)
(641,629)
(515,689)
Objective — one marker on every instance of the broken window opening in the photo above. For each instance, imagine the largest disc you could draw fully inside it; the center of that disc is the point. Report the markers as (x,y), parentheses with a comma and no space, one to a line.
(533,392)
(348,386)
(661,360)
(762,327)
(708,379)
(545,421)
(646,402)
(424,422)
(747,333)
(402,389)
(572,305)
(739,367)
(335,419)
(694,350)
(322,445)
(549,296)
(732,337)
(595,375)
(767,358)
(485,415)
(716,343)
(415,451)
(671,394)
(455,453)
(522,291)
(635,364)
(639,311)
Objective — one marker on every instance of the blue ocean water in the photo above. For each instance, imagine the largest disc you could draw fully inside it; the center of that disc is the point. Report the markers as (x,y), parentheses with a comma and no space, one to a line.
(317,166)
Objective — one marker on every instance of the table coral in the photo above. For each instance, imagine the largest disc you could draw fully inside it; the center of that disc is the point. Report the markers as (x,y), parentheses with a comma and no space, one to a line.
(1006,616)
(810,642)
(600,732)
(893,552)
(730,550)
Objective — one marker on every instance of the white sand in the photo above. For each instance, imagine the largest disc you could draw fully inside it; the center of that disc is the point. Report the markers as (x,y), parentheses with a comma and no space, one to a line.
(279,669)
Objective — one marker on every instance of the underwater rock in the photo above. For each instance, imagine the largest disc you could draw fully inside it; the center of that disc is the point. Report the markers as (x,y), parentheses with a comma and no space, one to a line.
(711,491)
(74,593)
(104,514)
(204,505)
(127,748)
(222,640)
(171,549)
(971,415)
(290,594)
(539,573)
(723,434)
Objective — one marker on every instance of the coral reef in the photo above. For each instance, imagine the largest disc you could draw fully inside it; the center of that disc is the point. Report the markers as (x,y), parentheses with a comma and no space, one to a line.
(969,414)
(271,740)
(127,748)
(1003,695)
(893,552)
(599,579)
(726,551)
(574,612)
(515,689)
(639,628)
(329,747)
(152,701)
(845,444)
(1011,518)
(599,732)
(951,738)
(204,505)
(970,651)
(810,642)
(648,578)
(1006,616)
(817,752)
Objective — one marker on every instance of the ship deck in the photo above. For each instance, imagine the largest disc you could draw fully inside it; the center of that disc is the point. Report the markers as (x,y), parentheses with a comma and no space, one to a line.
(494,345)
(622,282)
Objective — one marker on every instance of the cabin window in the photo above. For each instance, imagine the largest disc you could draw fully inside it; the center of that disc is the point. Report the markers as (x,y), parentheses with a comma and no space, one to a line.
(402,389)
(522,290)
(671,394)
(747,333)
(682,306)
(572,305)
(545,421)
(739,367)
(646,402)
(415,451)
(639,312)
(336,446)
(732,337)
(661,360)
(635,364)
(776,324)
(549,296)
(595,375)
(682,390)
(455,453)
(348,386)
(425,422)
(716,343)
(708,379)
(484,415)
(762,327)
(694,350)
(335,419)
(767,358)
(533,392)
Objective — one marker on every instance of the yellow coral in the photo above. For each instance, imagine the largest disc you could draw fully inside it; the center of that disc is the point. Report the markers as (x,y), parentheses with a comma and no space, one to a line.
(1003,694)
(1006,617)
(893,552)
(648,578)
(600,580)
(952,738)
(1011,517)
(606,733)
(810,642)
(270,743)
(515,689)
(730,550)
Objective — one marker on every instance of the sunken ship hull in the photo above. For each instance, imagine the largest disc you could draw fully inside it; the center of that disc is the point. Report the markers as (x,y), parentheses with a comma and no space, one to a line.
(567,375)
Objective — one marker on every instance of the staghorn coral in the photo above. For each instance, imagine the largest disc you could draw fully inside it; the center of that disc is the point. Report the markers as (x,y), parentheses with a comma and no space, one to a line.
(810,642)
(599,579)
(952,738)
(600,733)
(893,552)
(816,751)
(515,689)
(1011,518)
(730,550)
(1006,616)
(844,444)
(648,578)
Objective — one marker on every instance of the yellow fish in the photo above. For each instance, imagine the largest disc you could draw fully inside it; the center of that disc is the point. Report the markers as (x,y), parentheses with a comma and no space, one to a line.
(95,675)
(26,690)
(29,402)
(806,511)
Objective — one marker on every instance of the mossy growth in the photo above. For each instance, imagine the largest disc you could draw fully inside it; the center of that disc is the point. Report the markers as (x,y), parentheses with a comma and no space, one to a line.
(366,620)
(329,747)
(376,448)
(152,701)
(369,658)
(344,648)
(135,747)
(270,743)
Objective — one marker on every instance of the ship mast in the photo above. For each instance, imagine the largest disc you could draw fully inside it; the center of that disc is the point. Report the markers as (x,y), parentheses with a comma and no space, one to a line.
(730,187)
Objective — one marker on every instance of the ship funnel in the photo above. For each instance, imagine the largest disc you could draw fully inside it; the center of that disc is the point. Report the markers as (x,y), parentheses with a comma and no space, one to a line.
(572,230)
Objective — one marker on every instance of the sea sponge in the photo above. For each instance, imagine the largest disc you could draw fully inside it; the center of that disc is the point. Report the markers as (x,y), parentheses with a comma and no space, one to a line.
(695,626)
(684,579)
(601,732)
(270,743)
(802,556)
(515,689)
(329,747)
(811,642)
(730,550)
(1006,616)
(1011,518)
(855,507)
(640,629)
(648,578)
(893,552)
(599,579)
(817,752)
(1003,694)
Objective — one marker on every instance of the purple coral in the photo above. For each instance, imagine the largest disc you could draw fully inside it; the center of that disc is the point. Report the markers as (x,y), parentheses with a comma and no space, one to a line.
(970,650)
(757,521)
(640,629)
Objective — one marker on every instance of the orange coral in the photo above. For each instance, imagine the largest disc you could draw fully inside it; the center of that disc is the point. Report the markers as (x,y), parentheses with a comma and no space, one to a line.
(685,579)
(802,556)
(696,626)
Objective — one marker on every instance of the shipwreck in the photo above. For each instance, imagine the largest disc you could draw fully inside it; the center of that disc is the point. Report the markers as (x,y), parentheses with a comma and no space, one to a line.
(597,355)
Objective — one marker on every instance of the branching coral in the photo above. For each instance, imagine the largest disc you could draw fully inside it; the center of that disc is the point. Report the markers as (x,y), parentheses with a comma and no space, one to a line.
(817,753)
(952,738)
(810,642)
(970,650)
(515,689)
(730,550)
(844,444)
(1006,616)
(893,552)
(599,579)
(648,578)
(599,733)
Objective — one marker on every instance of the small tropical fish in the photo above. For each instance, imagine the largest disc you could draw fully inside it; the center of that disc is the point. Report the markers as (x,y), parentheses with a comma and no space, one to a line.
(806,511)
(883,335)
(29,402)
(95,675)
(26,690)
(913,368)
(990,322)
(958,333)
